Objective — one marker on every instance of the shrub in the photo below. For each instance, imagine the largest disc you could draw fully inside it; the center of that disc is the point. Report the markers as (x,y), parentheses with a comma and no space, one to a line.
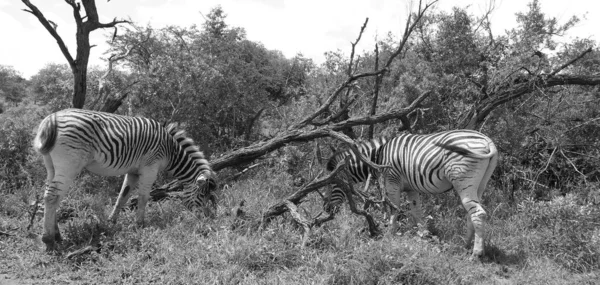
(18,164)
(565,230)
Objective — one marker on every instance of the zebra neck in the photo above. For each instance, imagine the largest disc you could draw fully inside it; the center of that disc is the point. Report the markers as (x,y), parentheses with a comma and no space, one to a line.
(182,166)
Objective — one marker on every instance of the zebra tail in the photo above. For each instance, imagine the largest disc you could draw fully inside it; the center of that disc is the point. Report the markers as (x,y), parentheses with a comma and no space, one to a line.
(467,152)
(46,135)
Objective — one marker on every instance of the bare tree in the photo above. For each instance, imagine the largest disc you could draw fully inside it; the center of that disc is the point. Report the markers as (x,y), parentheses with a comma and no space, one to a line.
(85,25)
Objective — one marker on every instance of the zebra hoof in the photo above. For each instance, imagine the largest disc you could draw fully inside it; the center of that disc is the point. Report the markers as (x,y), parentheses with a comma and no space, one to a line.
(477,255)
(50,243)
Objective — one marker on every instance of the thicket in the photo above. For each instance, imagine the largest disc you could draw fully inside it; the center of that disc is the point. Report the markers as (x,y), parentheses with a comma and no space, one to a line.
(230,92)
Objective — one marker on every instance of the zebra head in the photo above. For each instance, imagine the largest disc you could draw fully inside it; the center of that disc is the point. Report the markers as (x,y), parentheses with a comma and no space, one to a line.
(201,194)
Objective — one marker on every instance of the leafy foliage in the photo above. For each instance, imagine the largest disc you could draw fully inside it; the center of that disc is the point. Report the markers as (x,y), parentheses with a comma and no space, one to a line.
(565,230)
(12,85)
(18,165)
(214,79)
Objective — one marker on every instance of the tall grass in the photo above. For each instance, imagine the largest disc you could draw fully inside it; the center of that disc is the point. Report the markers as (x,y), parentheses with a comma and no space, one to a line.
(531,242)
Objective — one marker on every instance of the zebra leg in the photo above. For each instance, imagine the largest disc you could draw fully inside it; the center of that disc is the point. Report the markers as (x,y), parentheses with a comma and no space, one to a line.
(472,223)
(416,210)
(50,176)
(129,183)
(395,196)
(470,231)
(475,220)
(55,191)
(144,187)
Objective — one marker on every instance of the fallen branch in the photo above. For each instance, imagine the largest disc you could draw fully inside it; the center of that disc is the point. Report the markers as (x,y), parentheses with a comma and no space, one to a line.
(296,197)
(82,251)
(374,230)
(293,209)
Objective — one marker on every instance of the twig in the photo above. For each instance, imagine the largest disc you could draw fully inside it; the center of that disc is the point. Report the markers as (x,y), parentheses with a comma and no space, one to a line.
(82,251)
(362,29)
(574,167)
(582,124)
(234,176)
(547,163)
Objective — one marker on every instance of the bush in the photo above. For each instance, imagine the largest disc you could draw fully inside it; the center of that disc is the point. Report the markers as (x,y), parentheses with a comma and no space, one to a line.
(565,230)
(18,162)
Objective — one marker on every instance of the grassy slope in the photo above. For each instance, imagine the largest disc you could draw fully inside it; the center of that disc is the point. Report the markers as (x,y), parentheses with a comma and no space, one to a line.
(176,247)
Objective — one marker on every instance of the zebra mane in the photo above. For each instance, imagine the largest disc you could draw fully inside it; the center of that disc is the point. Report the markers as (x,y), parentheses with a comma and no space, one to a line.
(187,144)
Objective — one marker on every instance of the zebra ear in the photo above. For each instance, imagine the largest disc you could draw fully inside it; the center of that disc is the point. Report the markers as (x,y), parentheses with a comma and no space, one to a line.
(208,181)
(172,126)
(201,179)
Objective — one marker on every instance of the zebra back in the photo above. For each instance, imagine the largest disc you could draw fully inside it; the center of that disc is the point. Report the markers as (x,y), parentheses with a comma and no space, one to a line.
(423,161)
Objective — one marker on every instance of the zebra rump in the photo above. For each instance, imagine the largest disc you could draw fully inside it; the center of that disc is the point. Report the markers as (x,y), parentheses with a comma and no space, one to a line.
(46,136)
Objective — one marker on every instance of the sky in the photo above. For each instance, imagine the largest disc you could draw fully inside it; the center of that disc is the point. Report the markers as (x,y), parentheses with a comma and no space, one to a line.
(310,27)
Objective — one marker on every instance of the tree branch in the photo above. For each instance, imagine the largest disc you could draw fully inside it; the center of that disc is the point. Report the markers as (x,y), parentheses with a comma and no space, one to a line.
(252,152)
(362,29)
(570,62)
(410,26)
(112,24)
(52,30)
(478,113)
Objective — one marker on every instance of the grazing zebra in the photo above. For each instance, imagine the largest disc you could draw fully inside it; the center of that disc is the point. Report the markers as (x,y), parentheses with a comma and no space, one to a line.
(462,160)
(110,145)
(358,170)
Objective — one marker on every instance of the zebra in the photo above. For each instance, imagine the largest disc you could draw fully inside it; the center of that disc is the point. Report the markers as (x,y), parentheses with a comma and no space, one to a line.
(462,160)
(111,145)
(358,171)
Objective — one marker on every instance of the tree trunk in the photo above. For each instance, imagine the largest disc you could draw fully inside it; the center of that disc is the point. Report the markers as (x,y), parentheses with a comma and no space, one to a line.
(79,85)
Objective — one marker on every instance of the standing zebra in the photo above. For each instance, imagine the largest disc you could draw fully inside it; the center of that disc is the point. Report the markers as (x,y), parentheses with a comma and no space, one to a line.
(462,160)
(111,145)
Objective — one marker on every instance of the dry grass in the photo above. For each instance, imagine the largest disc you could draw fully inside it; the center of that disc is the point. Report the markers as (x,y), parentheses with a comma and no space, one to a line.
(554,242)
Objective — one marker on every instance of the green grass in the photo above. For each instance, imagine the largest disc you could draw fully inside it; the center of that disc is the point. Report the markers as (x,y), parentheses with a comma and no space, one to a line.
(555,242)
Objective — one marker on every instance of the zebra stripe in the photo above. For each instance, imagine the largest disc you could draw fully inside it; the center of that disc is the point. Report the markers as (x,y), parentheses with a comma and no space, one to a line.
(107,144)
(462,160)
(358,170)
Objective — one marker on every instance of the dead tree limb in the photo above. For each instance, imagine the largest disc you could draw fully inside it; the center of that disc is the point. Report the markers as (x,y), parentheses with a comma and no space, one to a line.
(300,219)
(114,100)
(374,230)
(503,94)
(411,25)
(477,115)
(291,202)
(296,198)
